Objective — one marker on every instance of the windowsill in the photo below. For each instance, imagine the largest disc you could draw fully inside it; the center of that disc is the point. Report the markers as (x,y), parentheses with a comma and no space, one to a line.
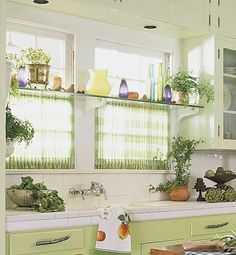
(94,171)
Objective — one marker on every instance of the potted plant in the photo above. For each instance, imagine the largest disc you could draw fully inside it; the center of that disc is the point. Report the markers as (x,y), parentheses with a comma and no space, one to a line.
(16,131)
(188,85)
(180,157)
(38,63)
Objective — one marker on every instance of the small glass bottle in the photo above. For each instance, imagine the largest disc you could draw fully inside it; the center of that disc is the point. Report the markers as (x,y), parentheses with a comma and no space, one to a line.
(123,91)
(160,83)
(167,94)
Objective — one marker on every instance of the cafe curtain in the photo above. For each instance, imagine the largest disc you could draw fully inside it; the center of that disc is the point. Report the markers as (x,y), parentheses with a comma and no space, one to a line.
(132,135)
(51,115)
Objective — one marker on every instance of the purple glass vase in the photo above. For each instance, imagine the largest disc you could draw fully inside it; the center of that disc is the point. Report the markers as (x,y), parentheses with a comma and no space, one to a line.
(22,77)
(167,95)
(123,91)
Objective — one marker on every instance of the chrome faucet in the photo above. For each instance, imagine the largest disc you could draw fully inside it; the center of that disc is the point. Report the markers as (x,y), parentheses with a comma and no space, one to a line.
(96,189)
(151,189)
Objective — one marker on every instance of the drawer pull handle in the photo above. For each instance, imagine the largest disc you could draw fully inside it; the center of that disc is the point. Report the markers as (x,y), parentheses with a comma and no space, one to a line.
(217,225)
(54,241)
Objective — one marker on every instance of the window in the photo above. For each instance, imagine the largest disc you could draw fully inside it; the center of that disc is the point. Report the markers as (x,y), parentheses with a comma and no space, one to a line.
(51,115)
(59,45)
(130,135)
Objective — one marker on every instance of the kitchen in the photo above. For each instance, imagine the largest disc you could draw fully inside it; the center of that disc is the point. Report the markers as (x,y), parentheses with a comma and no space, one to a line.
(171,36)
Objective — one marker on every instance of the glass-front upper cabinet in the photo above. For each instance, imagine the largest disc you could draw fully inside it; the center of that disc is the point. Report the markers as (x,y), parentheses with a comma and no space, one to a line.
(229,94)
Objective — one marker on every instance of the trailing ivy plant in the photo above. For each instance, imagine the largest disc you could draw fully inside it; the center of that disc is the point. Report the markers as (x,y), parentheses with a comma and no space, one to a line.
(17,130)
(180,156)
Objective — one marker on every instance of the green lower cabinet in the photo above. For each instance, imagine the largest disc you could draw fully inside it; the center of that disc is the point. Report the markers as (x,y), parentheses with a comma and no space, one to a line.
(68,241)
(158,233)
(211,226)
(145,236)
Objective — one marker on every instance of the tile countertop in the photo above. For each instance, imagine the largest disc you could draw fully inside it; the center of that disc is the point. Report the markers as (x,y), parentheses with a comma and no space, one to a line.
(139,211)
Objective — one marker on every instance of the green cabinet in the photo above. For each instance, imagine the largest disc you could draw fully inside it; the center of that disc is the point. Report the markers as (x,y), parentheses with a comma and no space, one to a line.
(145,235)
(157,234)
(68,241)
(161,233)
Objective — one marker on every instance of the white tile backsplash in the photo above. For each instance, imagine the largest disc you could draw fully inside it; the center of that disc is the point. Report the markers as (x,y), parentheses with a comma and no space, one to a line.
(124,188)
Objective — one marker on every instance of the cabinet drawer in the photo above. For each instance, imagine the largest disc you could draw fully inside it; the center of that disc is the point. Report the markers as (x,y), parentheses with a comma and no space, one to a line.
(28,243)
(212,225)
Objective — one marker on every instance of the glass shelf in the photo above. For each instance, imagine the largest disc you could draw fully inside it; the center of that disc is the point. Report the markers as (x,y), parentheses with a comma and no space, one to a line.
(230,75)
(90,96)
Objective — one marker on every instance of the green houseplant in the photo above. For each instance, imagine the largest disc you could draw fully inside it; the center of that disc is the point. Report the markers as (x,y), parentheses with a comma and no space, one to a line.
(17,131)
(187,85)
(180,157)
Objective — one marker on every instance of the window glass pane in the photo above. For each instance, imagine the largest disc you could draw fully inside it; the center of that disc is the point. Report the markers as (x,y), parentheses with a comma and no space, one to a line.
(20,40)
(55,47)
(129,66)
(106,59)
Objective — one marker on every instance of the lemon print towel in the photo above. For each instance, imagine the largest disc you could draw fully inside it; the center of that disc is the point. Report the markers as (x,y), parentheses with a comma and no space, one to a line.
(113,235)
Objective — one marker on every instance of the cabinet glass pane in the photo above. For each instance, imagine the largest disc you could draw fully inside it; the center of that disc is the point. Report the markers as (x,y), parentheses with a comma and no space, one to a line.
(229,96)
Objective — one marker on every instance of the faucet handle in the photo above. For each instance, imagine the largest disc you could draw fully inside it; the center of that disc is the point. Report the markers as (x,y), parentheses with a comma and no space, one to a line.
(73,192)
(100,188)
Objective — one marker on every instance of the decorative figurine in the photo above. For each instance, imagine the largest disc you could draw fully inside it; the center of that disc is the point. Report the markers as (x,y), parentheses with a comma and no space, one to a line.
(200,187)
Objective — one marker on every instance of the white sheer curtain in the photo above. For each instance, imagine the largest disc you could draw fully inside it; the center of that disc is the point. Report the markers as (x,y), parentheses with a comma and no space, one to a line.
(132,135)
(52,118)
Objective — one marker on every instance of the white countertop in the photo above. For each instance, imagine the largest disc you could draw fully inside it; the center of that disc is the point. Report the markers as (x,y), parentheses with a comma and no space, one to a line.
(139,211)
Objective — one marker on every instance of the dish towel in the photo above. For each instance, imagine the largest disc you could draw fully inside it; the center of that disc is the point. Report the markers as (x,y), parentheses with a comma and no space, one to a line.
(113,235)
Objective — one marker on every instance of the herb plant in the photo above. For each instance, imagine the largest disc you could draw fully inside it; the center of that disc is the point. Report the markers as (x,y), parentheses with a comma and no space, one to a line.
(183,82)
(35,56)
(180,156)
(17,130)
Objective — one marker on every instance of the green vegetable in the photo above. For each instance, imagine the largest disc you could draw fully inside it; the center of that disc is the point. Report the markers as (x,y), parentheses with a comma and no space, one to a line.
(214,195)
(220,171)
(209,173)
(27,183)
(229,194)
(45,200)
(49,202)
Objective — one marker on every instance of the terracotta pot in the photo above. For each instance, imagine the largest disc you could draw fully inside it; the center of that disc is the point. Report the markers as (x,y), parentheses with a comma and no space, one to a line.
(182,97)
(179,194)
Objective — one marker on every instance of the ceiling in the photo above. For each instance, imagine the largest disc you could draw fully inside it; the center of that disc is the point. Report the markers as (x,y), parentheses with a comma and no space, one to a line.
(112,12)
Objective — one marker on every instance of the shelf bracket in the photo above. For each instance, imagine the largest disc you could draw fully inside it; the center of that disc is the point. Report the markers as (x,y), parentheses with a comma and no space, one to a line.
(185,112)
(88,104)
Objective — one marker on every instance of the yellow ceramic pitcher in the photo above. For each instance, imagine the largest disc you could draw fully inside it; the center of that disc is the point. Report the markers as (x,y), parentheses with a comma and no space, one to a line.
(98,83)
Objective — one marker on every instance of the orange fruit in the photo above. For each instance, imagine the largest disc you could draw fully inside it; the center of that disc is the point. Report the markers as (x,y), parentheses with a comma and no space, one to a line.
(101,236)
(123,231)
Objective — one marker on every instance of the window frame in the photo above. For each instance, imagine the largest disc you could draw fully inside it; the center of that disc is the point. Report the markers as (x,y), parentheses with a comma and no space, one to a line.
(70,42)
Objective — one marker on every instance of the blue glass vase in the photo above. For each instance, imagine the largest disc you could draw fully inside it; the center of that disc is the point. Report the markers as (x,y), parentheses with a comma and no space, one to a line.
(22,77)
(123,91)
(167,95)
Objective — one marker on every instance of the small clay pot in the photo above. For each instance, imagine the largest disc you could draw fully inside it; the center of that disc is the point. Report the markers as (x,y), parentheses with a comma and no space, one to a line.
(179,194)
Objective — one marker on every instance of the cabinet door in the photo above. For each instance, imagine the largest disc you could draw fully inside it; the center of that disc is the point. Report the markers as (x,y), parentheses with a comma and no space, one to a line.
(153,9)
(67,242)
(227,18)
(227,87)
(190,13)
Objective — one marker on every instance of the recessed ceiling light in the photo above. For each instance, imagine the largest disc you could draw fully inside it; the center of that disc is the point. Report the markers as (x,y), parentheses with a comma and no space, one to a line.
(150,27)
(41,1)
